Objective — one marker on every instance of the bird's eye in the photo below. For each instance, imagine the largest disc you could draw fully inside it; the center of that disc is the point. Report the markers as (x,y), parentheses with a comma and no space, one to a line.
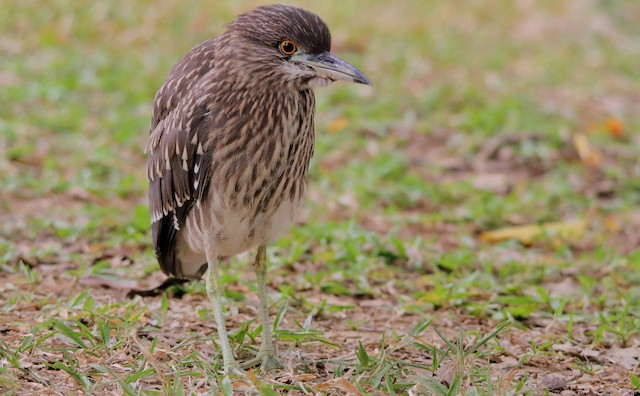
(287,47)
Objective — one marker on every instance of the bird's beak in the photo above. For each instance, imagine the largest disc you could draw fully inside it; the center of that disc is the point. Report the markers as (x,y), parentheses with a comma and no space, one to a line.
(330,66)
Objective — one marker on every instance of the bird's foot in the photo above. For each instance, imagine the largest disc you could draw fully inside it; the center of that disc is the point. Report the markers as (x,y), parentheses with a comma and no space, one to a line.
(235,370)
(231,367)
(267,359)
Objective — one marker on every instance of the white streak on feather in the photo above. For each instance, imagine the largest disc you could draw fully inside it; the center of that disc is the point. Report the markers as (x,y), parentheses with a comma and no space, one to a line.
(185,156)
(166,158)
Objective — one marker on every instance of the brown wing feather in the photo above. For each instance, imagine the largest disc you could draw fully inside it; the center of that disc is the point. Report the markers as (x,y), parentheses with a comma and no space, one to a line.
(177,168)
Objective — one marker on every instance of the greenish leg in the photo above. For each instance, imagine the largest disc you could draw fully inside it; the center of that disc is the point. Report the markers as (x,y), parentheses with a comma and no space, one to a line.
(214,292)
(268,355)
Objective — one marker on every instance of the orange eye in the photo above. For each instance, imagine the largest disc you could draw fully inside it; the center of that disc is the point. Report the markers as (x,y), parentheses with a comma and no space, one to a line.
(287,47)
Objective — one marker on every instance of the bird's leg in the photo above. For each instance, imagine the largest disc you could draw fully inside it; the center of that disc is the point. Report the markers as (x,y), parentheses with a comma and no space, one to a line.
(214,292)
(268,355)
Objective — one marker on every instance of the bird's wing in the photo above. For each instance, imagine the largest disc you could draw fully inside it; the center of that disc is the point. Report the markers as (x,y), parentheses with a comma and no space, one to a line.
(178,169)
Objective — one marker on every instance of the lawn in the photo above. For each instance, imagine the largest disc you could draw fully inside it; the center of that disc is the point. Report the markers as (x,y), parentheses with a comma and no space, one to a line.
(472,225)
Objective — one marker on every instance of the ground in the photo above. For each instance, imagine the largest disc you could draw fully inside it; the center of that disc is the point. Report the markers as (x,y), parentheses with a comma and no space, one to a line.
(472,227)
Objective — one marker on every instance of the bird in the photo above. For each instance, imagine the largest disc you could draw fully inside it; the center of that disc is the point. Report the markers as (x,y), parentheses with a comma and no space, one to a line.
(231,137)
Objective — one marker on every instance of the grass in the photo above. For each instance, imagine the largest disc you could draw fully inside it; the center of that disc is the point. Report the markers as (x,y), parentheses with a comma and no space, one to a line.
(482,118)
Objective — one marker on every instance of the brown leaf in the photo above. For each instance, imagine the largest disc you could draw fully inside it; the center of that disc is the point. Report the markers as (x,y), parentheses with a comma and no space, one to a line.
(446,374)
(567,348)
(625,357)
(567,287)
(496,182)
(592,355)
(343,384)
(554,383)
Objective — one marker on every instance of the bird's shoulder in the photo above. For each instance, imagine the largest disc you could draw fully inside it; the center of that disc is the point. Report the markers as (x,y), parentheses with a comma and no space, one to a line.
(183,80)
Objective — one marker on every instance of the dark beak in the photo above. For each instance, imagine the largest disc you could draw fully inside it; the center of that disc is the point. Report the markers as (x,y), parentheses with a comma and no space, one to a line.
(330,66)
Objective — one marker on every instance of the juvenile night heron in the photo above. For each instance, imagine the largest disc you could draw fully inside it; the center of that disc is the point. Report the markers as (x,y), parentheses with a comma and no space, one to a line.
(231,138)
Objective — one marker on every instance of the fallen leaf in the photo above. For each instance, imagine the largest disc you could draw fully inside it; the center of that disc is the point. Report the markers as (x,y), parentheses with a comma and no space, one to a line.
(566,287)
(338,124)
(554,383)
(527,234)
(612,224)
(446,374)
(344,385)
(589,155)
(625,357)
(615,128)
(593,356)
(497,182)
(567,348)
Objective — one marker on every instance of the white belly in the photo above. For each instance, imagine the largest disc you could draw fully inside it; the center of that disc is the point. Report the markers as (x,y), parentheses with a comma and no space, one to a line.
(238,235)
(230,232)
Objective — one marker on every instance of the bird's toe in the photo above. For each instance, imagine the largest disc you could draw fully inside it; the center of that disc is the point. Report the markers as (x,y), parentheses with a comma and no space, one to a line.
(235,371)
(271,362)
(268,360)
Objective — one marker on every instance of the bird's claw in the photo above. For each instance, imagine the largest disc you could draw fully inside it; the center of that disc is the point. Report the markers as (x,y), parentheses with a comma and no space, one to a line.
(235,370)
(268,360)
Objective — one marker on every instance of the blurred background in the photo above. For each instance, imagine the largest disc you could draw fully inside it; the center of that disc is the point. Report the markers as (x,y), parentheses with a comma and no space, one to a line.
(491,172)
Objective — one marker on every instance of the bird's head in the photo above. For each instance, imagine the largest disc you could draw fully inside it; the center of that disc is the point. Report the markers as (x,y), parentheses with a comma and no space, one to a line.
(284,44)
